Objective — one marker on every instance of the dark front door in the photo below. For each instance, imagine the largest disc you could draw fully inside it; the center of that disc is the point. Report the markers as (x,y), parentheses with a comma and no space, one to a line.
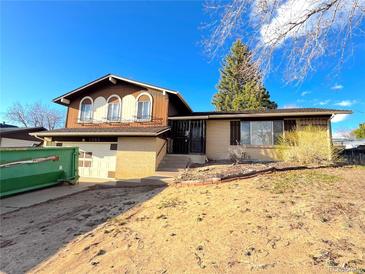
(188,136)
(197,136)
(180,136)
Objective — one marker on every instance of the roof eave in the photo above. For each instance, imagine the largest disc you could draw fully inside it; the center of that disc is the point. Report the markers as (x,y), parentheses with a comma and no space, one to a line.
(91,133)
(248,115)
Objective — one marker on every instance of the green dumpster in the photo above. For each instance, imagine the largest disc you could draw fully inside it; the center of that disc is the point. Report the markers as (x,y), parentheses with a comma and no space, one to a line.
(23,169)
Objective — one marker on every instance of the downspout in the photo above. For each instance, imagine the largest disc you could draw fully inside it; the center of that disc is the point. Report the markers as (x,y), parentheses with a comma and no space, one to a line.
(330,129)
(330,136)
(39,138)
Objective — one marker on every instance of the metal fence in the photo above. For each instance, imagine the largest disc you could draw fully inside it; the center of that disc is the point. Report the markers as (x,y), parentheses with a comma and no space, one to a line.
(354,156)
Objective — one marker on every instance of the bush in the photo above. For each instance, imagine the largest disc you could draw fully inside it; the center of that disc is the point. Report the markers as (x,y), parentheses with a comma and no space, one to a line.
(238,153)
(308,145)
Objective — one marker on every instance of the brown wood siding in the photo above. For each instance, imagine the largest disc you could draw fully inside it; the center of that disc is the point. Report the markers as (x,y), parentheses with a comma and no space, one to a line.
(321,122)
(159,108)
(176,106)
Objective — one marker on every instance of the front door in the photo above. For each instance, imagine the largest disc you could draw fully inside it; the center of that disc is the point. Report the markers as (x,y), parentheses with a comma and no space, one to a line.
(188,136)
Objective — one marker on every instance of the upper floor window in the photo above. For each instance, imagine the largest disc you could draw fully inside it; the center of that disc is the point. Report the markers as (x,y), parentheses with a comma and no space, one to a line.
(86,110)
(114,106)
(144,107)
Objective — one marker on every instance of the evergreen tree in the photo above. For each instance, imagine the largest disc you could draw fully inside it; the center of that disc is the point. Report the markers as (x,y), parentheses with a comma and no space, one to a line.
(240,86)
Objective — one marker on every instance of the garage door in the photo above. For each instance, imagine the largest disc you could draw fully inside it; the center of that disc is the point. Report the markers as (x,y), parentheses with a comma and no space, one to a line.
(96,160)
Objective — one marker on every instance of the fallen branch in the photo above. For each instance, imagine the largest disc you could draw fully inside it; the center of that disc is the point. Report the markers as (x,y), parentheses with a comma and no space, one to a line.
(244,175)
(32,161)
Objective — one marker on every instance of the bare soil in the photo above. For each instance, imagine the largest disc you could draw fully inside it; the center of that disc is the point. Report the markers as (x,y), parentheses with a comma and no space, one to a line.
(31,235)
(221,169)
(289,222)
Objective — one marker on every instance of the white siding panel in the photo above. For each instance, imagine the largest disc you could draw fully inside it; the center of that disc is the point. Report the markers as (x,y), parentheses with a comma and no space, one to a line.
(128,108)
(99,109)
(8,142)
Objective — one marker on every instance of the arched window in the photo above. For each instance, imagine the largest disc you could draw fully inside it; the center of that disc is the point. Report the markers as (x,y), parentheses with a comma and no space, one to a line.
(144,107)
(114,104)
(86,110)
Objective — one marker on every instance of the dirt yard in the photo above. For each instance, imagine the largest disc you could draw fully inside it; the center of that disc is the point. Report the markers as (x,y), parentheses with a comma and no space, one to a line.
(289,222)
(220,169)
(31,235)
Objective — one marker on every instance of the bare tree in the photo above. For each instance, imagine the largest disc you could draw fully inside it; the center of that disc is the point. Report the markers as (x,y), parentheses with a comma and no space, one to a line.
(34,115)
(303,31)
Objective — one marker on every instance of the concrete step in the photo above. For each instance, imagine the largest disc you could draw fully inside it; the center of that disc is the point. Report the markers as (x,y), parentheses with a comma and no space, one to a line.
(176,156)
(181,163)
(169,169)
(173,163)
(172,160)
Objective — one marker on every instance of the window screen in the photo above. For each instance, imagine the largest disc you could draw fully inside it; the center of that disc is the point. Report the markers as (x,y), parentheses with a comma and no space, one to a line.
(278,127)
(86,110)
(113,111)
(261,133)
(245,133)
(143,110)
(235,133)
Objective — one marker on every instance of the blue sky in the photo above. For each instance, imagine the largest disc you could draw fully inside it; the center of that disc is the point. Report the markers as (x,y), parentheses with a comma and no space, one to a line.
(49,48)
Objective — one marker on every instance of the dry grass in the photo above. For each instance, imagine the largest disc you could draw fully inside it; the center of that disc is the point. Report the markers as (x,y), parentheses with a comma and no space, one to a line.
(308,145)
(290,181)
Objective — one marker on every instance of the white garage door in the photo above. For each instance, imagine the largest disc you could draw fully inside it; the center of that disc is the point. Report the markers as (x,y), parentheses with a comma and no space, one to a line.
(95,160)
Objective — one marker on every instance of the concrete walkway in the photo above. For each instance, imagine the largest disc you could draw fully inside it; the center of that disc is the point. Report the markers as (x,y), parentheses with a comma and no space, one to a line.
(27,199)
(38,196)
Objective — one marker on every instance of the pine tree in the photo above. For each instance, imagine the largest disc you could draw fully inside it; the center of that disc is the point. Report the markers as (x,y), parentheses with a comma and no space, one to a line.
(240,86)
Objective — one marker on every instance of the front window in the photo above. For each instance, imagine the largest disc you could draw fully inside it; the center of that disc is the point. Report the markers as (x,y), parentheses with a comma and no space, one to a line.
(86,110)
(113,109)
(144,108)
(261,132)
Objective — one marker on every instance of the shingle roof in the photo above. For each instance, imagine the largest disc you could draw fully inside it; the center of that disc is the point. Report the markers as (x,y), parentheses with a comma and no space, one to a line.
(110,131)
(22,133)
(20,129)
(5,125)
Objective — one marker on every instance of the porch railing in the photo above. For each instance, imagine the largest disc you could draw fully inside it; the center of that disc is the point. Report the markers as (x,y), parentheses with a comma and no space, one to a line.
(121,120)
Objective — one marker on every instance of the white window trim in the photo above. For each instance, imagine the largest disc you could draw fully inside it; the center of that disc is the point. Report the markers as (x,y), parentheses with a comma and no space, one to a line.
(120,107)
(150,110)
(272,132)
(92,108)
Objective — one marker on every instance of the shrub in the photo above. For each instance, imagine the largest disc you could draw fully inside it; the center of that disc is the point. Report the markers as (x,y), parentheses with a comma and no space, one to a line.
(308,145)
(238,153)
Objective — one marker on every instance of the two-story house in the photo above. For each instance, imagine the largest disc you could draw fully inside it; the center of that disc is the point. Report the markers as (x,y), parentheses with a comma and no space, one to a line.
(124,128)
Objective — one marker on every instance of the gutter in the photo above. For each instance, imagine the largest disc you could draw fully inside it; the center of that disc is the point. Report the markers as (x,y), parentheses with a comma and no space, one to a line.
(244,115)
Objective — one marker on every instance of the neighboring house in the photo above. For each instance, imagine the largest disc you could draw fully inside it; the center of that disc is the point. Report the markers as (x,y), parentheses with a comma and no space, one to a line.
(348,143)
(124,128)
(5,125)
(12,136)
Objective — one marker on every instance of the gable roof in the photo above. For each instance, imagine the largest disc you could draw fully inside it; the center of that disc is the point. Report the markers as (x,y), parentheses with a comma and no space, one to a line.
(123,79)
